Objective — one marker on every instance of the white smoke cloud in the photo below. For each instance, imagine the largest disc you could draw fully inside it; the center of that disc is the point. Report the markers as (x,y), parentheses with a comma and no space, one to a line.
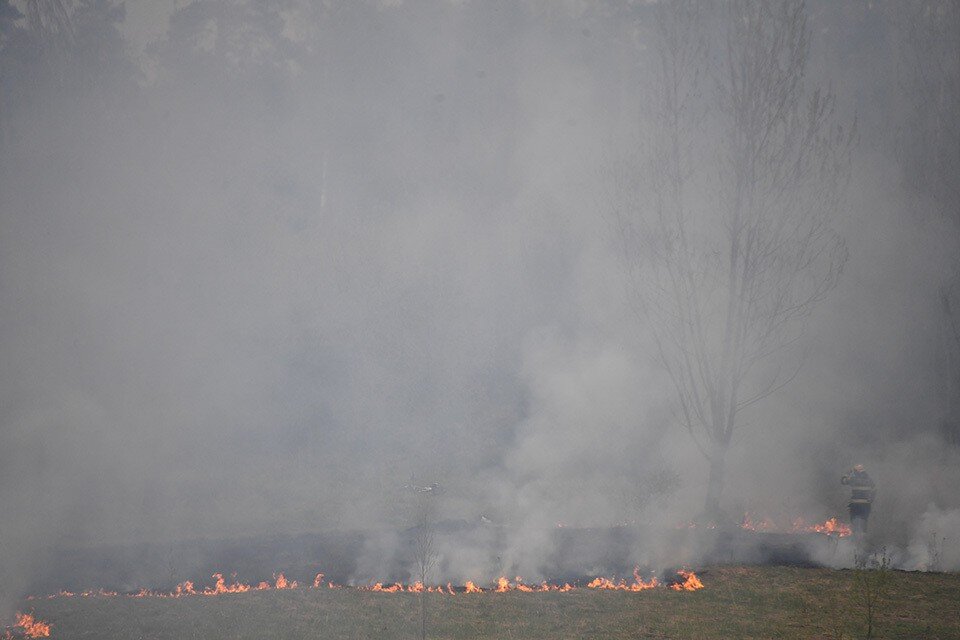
(935,541)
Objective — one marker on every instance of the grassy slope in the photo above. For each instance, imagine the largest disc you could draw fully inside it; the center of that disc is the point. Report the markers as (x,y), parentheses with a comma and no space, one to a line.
(755,602)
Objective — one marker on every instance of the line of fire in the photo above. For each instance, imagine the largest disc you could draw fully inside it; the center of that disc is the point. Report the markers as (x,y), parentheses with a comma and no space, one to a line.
(785,541)
(449,319)
(28,626)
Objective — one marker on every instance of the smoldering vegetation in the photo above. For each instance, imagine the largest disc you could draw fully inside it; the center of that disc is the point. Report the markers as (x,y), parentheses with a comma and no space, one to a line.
(264,266)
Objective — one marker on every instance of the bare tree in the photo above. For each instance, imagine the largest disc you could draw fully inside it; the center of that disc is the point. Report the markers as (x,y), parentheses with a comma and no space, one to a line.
(929,144)
(724,216)
(51,24)
(928,150)
(51,32)
(49,17)
(425,552)
(424,540)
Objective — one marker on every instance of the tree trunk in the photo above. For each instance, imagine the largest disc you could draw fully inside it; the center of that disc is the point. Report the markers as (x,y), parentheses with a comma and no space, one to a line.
(718,461)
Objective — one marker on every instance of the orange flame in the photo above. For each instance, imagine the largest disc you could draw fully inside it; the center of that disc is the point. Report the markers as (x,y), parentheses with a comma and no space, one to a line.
(637,585)
(690,582)
(522,587)
(503,585)
(280,582)
(90,593)
(222,587)
(32,628)
(830,527)
(416,587)
(764,524)
(469,587)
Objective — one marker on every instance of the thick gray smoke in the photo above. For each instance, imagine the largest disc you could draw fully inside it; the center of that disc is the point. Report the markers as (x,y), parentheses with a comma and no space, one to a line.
(263,264)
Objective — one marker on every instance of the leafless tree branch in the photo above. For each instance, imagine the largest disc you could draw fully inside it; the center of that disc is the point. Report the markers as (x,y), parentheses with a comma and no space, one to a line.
(725,223)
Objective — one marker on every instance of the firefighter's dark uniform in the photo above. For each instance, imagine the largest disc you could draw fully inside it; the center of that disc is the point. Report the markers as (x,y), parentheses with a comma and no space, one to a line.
(862,492)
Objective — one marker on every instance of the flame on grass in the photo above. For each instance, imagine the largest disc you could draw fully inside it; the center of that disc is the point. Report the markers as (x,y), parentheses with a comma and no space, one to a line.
(503,584)
(416,587)
(187,588)
(29,627)
(690,582)
(830,527)
(637,585)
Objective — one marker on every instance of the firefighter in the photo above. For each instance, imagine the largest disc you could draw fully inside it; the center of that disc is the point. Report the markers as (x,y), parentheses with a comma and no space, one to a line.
(862,492)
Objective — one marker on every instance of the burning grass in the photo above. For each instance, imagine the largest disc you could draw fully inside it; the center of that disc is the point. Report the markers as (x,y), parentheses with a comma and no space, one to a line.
(680,580)
(739,602)
(27,626)
(830,527)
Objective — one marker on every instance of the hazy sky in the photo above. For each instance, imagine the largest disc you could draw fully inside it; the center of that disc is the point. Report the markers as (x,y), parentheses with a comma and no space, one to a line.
(147,20)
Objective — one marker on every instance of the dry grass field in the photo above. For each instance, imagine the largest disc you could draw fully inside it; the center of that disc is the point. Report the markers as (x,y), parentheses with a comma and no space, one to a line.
(737,602)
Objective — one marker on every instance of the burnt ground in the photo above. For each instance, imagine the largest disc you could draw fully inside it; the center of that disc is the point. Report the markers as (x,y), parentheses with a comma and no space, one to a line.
(349,556)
